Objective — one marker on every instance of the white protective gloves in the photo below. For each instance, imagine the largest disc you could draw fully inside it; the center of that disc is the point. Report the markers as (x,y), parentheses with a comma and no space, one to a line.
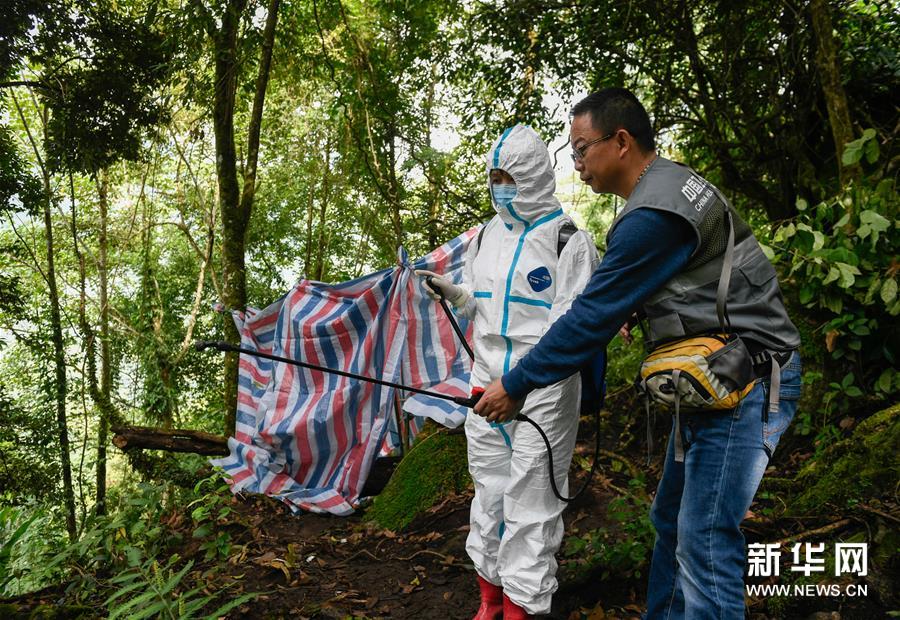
(455,294)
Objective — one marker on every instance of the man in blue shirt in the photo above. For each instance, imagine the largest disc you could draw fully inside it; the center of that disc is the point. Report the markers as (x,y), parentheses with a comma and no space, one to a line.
(660,252)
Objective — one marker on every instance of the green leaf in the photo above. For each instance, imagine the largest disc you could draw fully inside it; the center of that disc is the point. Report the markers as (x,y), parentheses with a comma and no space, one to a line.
(224,609)
(124,577)
(123,591)
(874,285)
(838,255)
(126,609)
(834,303)
(769,252)
(868,134)
(889,291)
(872,151)
(806,295)
(852,153)
(853,392)
(848,275)
(885,379)
(133,554)
(861,330)
(175,579)
(818,240)
(875,220)
(833,274)
(785,232)
(202,531)
(801,204)
(847,381)
(153,611)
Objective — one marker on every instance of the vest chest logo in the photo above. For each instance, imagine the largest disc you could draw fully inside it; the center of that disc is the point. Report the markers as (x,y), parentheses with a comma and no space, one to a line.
(692,190)
(540,279)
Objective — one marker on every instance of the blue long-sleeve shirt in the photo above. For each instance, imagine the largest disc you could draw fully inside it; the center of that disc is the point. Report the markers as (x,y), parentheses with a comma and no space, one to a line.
(647,248)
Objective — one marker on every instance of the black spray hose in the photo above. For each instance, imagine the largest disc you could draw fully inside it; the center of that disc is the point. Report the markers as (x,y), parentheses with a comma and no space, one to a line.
(476,396)
(537,427)
(220,345)
(453,323)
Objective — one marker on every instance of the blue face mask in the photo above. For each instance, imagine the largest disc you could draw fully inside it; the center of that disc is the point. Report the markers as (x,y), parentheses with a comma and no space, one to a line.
(503,193)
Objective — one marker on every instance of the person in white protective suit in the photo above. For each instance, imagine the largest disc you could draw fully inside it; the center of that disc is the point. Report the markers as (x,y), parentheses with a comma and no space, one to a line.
(520,275)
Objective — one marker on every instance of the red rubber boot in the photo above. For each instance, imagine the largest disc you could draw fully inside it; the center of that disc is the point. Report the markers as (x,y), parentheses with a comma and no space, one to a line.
(491,601)
(511,611)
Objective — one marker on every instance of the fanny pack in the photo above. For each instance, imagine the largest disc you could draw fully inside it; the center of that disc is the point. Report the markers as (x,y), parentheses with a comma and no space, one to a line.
(707,372)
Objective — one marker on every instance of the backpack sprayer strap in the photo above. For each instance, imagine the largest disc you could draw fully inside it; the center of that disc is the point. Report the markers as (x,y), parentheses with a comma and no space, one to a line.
(725,276)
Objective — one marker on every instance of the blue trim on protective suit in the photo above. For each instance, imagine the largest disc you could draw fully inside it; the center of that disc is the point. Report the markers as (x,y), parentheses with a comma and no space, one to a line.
(506,133)
(499,427)
(509,206)
(530,302)
(486,294)
(509,277)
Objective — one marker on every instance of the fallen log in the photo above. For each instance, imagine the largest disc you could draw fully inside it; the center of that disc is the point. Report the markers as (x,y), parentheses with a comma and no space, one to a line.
(144,437)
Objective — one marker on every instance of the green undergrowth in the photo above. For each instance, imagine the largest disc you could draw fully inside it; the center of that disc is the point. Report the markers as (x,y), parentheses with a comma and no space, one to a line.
(621,548)
(435,467)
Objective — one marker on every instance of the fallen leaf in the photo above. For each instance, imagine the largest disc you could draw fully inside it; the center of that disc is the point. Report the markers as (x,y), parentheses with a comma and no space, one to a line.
(265,558)
(830,339)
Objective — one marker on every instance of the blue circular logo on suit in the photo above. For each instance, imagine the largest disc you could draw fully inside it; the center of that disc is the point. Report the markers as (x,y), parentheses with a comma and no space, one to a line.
(540,279)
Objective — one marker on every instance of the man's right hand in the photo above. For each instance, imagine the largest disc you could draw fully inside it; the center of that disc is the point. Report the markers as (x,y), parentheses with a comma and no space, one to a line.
(439,286)
(625,330)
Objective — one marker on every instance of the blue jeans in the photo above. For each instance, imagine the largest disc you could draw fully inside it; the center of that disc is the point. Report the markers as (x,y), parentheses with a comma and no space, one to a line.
(697,569)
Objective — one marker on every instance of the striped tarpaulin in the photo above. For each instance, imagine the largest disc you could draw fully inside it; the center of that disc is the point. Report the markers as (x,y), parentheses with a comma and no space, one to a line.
(309,438)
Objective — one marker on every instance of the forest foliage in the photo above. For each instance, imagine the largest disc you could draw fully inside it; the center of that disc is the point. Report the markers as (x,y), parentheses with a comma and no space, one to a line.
(162,158)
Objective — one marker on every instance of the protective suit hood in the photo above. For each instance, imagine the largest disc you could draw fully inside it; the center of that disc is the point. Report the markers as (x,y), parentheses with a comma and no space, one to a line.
(524,156)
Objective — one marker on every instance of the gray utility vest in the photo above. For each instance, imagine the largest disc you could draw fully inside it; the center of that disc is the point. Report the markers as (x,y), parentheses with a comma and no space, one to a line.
(686,305)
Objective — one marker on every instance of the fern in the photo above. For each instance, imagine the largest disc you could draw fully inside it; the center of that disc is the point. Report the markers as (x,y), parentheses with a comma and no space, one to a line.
(150,591)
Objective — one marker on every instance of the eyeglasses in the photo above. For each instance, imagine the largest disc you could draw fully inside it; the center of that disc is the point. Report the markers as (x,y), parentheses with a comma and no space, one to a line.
(577,153)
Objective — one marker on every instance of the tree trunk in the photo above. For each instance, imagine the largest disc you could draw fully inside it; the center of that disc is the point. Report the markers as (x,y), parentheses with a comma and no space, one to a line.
(233,230)
(105,372)
(197,442)
(394,186)
(829,67)
(434,202)
(323,208)
(56,327)
(307,260)
(234,204)
(60,365)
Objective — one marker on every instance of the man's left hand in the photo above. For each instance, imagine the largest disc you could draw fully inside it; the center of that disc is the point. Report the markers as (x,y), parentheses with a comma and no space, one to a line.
(496,405)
